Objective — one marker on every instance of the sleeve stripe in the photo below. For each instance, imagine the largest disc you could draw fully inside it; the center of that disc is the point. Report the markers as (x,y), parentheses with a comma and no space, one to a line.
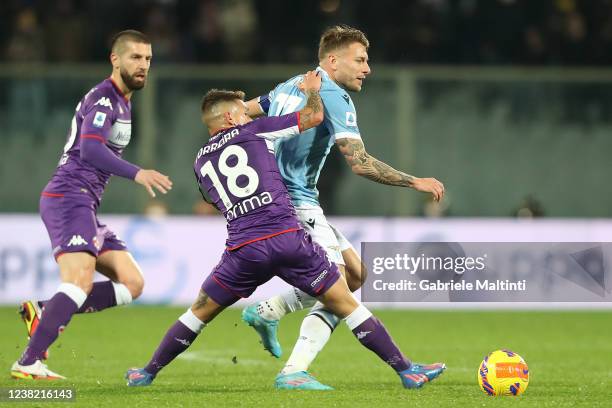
(264,103)
(97,137)
(293,130)
(346,135)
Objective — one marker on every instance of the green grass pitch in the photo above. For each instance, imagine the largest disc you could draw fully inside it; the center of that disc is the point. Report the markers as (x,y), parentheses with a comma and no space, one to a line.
(569,356)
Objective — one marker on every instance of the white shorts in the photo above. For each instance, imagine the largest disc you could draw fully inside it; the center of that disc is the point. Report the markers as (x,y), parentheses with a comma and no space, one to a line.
(323,233)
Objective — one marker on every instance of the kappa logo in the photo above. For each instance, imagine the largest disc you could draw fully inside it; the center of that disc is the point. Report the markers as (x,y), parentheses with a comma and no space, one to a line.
(77,240)
(104,101)
(351,119)
(362,334)
(183,341)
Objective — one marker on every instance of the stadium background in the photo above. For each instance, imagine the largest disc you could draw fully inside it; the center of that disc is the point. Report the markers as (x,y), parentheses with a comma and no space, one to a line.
(508,102)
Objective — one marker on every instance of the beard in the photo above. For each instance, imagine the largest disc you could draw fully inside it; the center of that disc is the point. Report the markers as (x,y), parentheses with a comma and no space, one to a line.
(131,81)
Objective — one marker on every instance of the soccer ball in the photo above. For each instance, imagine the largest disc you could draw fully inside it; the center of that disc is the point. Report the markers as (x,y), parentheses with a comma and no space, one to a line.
(503,372)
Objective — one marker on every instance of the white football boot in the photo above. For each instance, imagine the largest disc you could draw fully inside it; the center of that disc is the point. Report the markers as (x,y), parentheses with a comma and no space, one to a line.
(36,371)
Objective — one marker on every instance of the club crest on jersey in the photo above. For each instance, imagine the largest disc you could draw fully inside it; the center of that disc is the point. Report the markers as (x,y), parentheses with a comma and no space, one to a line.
(351,119)
(99,119)
(104,101)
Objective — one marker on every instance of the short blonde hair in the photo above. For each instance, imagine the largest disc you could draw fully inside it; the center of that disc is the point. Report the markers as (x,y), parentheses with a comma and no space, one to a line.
(340,36)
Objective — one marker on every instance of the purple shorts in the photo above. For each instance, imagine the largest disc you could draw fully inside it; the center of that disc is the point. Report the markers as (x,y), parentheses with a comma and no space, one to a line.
(292,256)
(72,225)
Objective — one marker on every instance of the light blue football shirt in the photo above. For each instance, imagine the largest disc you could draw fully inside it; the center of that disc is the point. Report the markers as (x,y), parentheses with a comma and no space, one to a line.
(300,158)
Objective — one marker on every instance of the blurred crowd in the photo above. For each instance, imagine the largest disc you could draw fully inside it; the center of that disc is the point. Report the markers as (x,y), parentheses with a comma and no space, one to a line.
(518,32)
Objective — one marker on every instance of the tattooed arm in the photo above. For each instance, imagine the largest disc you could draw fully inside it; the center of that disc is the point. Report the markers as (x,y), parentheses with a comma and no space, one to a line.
(311,115)
(371,168)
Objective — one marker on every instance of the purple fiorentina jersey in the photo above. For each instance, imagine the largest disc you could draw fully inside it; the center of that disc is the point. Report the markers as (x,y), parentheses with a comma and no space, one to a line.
(103,114)
(237,172)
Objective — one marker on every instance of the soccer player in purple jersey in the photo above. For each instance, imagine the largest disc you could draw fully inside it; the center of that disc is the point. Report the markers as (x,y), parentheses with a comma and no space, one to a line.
(237,172)
(100,130)
(343,65)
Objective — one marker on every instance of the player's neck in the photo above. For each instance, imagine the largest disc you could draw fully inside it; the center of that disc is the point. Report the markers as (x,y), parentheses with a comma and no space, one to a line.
(328,71)
(121,86)
(215,130)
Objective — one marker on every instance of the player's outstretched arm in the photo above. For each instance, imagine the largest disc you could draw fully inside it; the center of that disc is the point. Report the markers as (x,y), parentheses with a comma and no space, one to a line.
(153,179)
(311,114)
(95,152)
(370,167)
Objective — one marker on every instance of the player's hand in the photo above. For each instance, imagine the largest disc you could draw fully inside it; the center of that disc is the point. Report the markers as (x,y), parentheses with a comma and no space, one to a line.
(311,81)
(153,179)
(429,185)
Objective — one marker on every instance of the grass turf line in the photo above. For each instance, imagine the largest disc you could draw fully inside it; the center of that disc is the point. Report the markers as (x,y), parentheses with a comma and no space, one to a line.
(569,356)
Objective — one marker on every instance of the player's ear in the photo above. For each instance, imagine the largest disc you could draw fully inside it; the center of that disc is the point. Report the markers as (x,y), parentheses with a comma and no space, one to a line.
(228,118)
(332,60)
(114,60)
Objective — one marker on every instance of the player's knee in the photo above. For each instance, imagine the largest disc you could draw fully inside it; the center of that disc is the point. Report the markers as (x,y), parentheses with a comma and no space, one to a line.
(136,286)
(354,282)
(86,286)
(339,300)
(356,272)
(355,277)
(81,277)
(131,277)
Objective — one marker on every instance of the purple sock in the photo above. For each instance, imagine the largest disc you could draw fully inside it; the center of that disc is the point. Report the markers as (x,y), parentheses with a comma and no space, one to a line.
(58,312)
(102,296)
(373,335)
(178,338)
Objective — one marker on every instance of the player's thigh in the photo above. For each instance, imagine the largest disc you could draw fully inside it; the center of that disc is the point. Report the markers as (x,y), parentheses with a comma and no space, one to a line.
(239,273)
(356,272)
(339,300)
(205,308)
(315,224)
(120,266)
(302,263)
(77,268)
(70,221)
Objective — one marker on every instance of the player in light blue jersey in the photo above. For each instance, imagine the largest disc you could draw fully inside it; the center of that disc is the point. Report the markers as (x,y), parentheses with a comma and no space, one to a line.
(343,66)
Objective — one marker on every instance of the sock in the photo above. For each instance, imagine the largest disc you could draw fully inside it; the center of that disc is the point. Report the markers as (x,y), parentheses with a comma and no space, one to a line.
(102,296)
(58,312)
(178,338)
(315,332)
(372,334)
(278,306)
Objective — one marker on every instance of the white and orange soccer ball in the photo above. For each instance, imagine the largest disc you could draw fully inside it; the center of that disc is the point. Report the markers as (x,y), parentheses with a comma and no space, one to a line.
(503,372)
